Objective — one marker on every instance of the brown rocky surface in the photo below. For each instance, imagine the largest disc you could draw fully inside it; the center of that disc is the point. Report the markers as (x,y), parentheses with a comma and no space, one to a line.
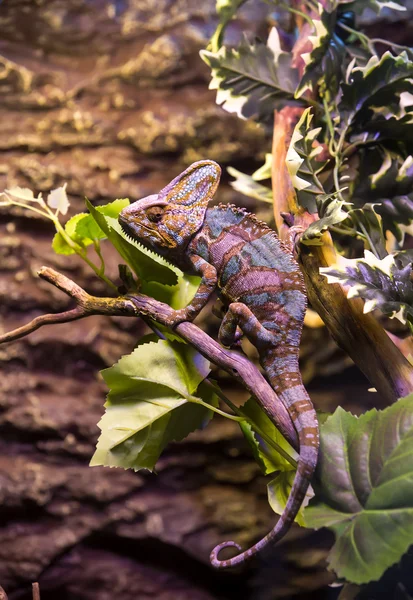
(111,97)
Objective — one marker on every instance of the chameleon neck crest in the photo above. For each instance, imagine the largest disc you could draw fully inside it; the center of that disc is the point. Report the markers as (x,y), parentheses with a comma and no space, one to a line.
(166,222)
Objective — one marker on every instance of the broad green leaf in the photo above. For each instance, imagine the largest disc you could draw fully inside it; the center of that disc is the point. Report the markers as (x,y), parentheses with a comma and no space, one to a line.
(177,296)
(331,213)
(279,490)
(302,163)
(384,284)
(245,184)
(364,489)
(149,403)
(253,79)
(325,63)
(267,457)
(84,230)
(145,264)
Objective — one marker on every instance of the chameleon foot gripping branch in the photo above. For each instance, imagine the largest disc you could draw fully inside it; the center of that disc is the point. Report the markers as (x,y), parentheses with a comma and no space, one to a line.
(259,281)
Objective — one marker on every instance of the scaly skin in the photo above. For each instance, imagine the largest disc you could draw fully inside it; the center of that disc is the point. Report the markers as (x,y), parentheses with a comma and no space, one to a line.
(261,284)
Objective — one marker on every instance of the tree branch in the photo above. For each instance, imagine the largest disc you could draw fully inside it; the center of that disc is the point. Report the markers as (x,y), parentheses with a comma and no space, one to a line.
(231,361)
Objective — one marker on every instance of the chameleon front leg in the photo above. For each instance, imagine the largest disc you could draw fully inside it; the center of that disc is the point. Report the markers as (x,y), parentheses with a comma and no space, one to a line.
(239,316)
(208,284)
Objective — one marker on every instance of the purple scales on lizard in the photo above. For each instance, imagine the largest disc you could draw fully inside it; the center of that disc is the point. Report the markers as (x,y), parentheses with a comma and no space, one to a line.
(262,287)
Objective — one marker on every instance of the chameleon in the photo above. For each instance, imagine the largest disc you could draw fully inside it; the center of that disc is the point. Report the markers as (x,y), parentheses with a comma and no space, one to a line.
(262,288)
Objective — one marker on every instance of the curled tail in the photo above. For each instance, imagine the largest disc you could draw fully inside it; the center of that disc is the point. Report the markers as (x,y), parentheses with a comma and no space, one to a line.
(288,385)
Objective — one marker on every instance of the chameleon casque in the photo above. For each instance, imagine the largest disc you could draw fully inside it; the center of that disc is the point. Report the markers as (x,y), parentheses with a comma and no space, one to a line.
(262,287)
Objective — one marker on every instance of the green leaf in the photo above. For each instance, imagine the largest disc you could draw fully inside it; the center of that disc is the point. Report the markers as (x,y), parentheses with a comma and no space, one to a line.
(326,61)
(302,163)
(375,88)
(386,179)
(245,184)
(366,220)
(177,296)
(145,264)
(151,403)
(331,213)
(84,230)
(279,490)
(254,79)
(364,489)
(264,172)
(267,457)
(384,284)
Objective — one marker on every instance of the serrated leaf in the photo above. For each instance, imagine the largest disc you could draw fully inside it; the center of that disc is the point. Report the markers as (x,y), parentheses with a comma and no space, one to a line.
(384,284)
(325,62)
(386,180)
(279,489)
(302,163)
(377,85)
(245,184)
(267,457)
(148,404)
(331,213)
(364,489)
(145,264)
(254,79)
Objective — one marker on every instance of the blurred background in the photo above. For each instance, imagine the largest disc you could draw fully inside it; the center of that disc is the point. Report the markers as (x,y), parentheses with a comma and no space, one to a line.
(112,98)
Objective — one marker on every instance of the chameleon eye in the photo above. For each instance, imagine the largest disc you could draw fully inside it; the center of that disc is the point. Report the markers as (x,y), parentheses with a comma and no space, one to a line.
(155,213)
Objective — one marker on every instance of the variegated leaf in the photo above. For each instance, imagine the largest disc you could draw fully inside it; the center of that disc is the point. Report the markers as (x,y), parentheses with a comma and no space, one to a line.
(302,163)
(253,79)
(249,187)
(331,212)
(382,283)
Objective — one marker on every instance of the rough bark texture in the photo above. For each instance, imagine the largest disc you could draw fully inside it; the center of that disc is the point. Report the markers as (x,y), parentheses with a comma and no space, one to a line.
(112,98)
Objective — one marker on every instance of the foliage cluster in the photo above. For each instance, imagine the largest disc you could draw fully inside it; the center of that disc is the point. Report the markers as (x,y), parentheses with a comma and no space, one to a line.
(351,163)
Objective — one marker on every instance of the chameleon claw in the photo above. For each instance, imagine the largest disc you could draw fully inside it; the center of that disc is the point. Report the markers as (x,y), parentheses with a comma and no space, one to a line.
(222,564)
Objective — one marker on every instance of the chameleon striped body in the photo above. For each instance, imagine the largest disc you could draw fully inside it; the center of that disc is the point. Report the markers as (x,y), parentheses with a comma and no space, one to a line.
(262,287)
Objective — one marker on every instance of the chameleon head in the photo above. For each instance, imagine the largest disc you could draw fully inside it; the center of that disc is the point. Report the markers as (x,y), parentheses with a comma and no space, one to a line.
(167,221)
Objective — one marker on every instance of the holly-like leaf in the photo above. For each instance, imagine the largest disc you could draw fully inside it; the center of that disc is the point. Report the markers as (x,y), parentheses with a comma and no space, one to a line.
(384,284)
(253,79)
(247,185)
(331,212)
(366,219)
(376,86)
(149,403)
(145,264)
(302,163)
(279,489)
(325,63)
(364,490)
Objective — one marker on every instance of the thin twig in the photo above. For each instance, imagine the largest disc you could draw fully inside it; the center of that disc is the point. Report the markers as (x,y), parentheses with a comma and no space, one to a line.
(3,595)
(231,361)
(36,591)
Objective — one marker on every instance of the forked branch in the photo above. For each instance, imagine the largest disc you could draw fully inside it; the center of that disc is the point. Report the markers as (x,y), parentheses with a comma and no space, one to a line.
(230,361)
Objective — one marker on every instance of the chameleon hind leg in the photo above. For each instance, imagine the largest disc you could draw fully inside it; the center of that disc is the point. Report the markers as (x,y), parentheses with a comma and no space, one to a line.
(240,317)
